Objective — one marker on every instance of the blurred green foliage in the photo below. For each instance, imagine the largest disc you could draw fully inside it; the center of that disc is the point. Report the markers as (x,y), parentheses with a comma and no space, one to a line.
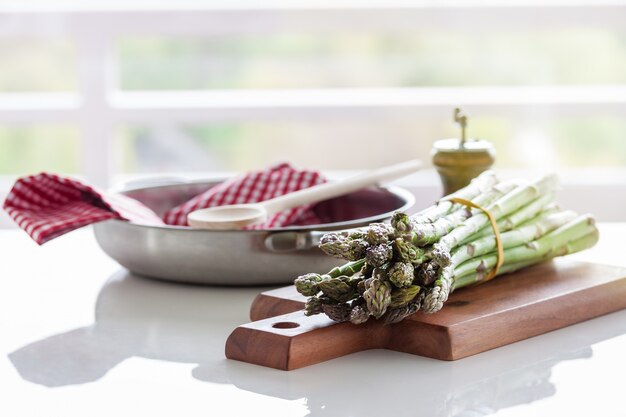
(30,149)
(564,57)
(37,64)
(367,60)
(571,142)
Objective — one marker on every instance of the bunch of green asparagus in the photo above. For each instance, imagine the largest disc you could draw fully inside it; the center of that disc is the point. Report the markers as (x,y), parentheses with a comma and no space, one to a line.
(415,262)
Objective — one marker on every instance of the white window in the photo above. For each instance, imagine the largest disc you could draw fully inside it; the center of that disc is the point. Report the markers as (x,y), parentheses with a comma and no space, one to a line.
(110,90)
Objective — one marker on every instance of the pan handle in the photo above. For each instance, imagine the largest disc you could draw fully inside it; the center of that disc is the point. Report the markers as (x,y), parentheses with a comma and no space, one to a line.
(292,241)
(297,240)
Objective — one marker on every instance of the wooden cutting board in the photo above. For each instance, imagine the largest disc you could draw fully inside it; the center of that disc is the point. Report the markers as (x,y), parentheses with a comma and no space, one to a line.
(510,308)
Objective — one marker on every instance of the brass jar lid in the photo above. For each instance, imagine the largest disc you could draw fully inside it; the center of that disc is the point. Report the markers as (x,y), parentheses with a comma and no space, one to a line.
(459,160)
(455,145)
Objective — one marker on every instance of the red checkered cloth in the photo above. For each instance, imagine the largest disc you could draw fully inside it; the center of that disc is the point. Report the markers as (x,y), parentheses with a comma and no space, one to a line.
(47,205)
(252,188)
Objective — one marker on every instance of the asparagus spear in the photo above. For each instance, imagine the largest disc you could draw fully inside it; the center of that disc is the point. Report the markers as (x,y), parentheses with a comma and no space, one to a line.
(309,284)
(373,242)
(479,185)
(550,242)
(577,245)
(377,296)
(395,271)
(397,314)
(348,269)
(528,213)
(426,233)
(532,231)
(534,251)
(438,294)
(542,205)
(509,203)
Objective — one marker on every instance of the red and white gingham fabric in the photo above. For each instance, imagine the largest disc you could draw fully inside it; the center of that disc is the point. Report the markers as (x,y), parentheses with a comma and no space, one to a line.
(47,205)
(252,188)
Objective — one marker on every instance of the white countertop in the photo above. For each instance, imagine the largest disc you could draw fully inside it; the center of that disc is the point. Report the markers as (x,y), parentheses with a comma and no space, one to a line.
(82,337)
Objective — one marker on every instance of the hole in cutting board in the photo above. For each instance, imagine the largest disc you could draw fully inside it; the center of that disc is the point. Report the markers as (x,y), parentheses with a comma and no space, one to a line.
(458,303)
(285,325)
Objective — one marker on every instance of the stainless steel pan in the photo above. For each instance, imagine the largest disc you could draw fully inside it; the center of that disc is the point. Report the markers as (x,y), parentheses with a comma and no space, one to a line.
(239,257)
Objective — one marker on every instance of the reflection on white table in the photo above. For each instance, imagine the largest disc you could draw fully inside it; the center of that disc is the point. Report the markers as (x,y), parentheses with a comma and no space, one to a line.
(157,348)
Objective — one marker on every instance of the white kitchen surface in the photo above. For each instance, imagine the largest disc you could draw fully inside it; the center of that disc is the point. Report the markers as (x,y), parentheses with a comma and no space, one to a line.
(80,336)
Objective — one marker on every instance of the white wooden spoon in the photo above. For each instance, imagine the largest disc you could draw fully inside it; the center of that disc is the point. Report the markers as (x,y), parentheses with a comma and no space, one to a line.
(237,216)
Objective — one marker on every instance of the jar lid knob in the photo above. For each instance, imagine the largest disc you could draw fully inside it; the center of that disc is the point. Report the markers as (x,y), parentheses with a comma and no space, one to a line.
(461,119)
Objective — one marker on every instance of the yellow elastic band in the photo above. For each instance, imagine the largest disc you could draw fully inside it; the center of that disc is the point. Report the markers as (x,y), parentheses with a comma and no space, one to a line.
(496,232)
